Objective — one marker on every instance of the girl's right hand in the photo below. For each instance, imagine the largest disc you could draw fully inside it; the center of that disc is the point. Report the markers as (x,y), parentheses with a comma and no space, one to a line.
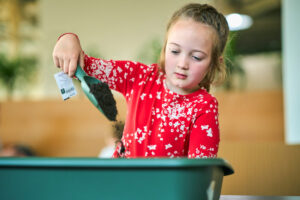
(67,53)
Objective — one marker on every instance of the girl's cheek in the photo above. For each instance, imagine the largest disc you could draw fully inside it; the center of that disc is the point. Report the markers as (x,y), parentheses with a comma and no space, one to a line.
(167,60)
(170,58)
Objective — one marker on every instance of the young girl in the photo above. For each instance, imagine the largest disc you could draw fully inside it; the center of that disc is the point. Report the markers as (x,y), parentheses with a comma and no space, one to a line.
(170,112)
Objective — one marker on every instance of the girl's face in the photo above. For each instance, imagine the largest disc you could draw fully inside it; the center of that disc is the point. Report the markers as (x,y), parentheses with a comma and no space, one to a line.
(188,55)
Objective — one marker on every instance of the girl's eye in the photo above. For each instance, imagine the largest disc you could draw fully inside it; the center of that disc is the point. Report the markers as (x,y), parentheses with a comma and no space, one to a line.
(174,51)
(197,58)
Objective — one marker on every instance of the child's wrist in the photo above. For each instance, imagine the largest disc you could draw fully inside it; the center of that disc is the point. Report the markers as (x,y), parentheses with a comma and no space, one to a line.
(67,34)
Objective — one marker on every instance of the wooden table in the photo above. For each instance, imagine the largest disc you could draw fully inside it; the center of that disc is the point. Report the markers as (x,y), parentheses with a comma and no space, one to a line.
(242,197)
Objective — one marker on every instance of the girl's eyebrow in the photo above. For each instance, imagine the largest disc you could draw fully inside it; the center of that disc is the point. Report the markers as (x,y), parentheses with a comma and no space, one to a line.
(194,50)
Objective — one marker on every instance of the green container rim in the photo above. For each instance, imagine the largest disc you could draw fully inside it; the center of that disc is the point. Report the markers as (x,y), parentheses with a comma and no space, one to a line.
(116,163)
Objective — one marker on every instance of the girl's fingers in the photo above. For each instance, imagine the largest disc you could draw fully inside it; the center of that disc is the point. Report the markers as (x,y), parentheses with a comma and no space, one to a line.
(56,61)
(66,66)
(72,67)
(61,64)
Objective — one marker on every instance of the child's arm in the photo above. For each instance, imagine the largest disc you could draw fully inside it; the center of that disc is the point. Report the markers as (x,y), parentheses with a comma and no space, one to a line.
(204,136)
(122,76)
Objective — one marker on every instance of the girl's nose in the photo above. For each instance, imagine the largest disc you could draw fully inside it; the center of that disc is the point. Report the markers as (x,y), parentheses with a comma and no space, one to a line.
(183,62)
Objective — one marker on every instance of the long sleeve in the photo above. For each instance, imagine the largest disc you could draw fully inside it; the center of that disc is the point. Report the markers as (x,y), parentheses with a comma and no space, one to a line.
(204,136)
(121,76)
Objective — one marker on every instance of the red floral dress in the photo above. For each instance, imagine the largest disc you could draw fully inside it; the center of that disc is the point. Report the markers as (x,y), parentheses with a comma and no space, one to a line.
(159,122)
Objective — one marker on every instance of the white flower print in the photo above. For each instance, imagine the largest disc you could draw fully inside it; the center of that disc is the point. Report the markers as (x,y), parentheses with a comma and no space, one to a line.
(158,82)
(142,96)
(176,124)
(139,135)
(209,132)
(97,72)
(182,127)
(203,127)
(119,69)
(152,147)
(158,95)
(167,146)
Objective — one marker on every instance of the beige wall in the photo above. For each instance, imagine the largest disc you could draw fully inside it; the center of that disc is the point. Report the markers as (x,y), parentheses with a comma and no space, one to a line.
(117,29)
(261,168)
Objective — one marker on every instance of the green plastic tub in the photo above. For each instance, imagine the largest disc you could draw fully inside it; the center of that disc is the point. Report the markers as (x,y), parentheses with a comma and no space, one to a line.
(111,179)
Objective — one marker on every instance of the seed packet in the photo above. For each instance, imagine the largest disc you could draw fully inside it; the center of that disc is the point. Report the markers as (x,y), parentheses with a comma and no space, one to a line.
(65,85)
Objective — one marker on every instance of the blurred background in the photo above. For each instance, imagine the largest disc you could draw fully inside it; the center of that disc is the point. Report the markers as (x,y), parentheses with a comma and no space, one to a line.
(258,103)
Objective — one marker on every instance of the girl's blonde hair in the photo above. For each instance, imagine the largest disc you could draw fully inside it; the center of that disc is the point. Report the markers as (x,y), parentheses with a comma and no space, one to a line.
(208,15)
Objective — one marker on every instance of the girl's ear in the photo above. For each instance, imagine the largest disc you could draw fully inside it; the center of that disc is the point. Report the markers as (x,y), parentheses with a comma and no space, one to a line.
(221,59)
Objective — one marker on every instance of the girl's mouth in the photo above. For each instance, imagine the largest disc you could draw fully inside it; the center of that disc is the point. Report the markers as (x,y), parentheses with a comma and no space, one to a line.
(180,76)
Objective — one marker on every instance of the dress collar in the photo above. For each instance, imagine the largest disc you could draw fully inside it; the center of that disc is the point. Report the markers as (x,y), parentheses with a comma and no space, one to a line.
(201,91)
